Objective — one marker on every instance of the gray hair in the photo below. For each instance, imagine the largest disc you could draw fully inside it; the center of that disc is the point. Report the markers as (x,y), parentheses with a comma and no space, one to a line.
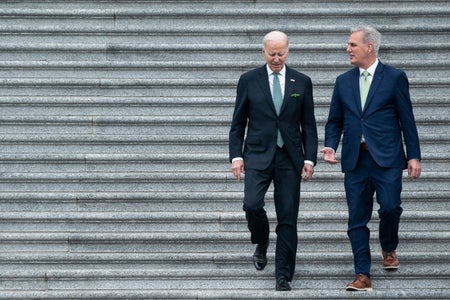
(370,35)
(276,36)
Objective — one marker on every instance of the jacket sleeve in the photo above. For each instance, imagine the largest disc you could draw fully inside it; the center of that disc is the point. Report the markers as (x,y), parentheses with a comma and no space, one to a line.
(309,126)
(406,116)
(333,127)
(239,121)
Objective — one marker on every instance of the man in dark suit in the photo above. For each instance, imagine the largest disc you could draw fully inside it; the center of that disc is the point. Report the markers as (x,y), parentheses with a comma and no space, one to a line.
(372,124)
(275,104)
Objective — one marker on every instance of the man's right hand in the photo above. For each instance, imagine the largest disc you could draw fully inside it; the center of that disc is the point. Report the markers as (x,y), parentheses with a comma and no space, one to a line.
(329,155)
(237,167)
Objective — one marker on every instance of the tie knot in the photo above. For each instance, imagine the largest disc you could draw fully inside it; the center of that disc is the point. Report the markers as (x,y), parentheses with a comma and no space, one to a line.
(365,74)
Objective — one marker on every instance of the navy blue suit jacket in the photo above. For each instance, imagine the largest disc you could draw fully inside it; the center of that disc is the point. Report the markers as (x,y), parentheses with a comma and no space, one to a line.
(255,110)
(387,116)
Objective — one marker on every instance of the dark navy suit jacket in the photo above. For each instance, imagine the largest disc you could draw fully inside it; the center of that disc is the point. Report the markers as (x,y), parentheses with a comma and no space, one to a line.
(255,110)
(387,116)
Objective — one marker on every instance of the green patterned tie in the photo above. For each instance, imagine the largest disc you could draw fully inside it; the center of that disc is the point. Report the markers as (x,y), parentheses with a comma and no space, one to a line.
(365,85)
(277,101)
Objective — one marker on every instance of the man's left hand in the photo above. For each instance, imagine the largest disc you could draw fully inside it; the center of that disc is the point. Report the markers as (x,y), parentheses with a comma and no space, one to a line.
(414,168)
(307,172)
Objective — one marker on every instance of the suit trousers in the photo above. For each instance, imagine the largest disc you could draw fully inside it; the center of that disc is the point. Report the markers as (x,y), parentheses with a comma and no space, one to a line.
(286,182)
(360,186)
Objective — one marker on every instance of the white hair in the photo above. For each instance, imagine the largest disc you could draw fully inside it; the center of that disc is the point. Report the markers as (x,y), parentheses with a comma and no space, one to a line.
(275,36)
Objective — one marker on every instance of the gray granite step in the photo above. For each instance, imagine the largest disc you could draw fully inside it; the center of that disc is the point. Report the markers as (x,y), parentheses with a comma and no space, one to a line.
(114,172)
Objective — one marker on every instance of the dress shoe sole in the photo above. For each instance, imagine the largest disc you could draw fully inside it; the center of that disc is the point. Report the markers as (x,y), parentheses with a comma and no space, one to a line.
(355,289)
(391,268)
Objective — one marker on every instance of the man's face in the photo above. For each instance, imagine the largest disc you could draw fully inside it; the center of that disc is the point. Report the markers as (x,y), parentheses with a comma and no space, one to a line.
(275,53)
(360,53)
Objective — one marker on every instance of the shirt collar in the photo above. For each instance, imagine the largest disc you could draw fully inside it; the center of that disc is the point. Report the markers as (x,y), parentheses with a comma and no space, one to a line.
(282,72)
(370,69)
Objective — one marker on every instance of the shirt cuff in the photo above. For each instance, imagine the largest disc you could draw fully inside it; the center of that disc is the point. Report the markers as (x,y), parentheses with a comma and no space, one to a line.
(309,162)
(236,159)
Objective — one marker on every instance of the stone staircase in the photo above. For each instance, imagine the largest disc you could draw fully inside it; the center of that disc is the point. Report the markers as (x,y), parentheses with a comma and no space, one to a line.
(115,181)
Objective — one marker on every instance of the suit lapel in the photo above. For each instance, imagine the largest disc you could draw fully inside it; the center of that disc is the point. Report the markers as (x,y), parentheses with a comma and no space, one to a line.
(376,80)
(356,90)
(288,87)
(265,87)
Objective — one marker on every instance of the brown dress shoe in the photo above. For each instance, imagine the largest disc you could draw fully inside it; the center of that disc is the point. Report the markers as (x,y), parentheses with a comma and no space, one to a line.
(361,283)
(390,260)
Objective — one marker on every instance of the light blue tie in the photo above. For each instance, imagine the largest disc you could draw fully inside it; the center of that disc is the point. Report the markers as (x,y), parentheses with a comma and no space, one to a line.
(365,85)
(277,101)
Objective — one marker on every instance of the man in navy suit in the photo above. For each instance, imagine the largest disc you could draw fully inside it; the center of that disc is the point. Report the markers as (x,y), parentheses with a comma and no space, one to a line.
(275,104)
(372,156)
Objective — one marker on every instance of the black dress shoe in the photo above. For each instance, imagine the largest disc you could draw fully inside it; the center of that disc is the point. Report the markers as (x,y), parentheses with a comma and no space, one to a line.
(260,256)
(282,284)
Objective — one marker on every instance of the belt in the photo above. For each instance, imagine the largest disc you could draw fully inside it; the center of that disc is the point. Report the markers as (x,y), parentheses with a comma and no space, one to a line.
(363,146)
